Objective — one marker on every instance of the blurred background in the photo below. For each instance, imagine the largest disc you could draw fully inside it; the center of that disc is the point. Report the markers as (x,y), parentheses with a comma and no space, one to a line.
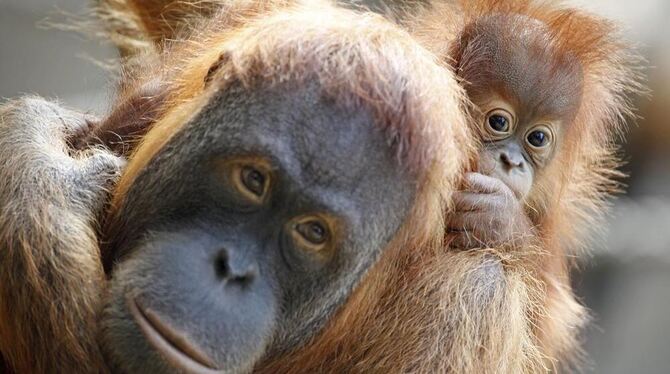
(625,281)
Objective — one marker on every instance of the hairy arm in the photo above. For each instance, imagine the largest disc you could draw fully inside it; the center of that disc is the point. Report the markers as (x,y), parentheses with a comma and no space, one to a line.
(51,278)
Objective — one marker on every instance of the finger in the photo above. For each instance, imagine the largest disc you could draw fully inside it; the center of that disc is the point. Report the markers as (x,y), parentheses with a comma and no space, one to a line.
(69,124)
(476,182)
(97,177)
(465,201)
(102,166)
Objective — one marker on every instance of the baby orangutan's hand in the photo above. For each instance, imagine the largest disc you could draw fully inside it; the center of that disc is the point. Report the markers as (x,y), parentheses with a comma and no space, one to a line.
(487,214)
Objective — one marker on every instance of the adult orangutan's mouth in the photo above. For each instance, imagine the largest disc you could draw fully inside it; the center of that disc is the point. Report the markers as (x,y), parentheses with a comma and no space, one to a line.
(173,345)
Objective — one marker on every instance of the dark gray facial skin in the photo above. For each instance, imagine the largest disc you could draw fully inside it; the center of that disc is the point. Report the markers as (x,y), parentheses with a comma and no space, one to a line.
(210,267)
(513,70)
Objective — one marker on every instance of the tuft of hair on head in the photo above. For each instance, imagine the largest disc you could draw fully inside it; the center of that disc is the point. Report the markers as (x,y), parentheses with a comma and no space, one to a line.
(178,41)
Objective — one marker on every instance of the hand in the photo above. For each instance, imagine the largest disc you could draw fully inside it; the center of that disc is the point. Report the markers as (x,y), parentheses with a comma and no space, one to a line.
(487,214)
(39,172)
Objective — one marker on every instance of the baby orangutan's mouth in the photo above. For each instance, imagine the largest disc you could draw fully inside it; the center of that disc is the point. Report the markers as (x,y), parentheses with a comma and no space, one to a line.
(173,345)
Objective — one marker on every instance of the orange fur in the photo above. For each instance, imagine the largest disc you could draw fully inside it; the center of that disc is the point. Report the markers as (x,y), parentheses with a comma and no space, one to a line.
(569,199)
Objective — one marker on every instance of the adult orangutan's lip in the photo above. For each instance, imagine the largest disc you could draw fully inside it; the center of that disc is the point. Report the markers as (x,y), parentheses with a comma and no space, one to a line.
(173,345)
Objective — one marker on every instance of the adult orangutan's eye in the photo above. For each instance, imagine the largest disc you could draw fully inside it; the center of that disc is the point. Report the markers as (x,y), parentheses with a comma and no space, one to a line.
(253,180)
(311,233)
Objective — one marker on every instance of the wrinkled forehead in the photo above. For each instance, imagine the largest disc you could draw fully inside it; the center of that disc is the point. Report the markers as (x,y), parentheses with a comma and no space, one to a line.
(312,138)
(526,66)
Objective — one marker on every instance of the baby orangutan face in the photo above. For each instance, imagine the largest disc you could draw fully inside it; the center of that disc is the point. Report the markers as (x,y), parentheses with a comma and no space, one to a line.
(527,92)
(513,150)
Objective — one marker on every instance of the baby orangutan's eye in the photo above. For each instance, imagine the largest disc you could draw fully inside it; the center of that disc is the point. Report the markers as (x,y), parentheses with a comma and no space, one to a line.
(499,122)
(539,138)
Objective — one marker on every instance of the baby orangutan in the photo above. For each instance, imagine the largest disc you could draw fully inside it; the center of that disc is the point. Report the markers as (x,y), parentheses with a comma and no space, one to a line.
(549,88)
(526,94)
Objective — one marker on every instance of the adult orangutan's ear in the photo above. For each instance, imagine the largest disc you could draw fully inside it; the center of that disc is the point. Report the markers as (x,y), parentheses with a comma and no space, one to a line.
(136,26)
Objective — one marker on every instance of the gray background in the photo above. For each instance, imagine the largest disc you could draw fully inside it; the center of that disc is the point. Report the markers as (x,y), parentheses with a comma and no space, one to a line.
(626,281)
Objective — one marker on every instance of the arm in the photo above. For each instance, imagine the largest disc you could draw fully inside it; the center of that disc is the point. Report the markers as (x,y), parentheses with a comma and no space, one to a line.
(51,277)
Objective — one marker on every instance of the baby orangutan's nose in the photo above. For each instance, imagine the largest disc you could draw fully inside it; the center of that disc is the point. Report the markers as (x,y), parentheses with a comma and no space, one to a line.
(511,160)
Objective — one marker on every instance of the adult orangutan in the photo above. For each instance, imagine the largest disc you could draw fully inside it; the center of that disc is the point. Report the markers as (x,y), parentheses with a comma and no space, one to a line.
(287,149)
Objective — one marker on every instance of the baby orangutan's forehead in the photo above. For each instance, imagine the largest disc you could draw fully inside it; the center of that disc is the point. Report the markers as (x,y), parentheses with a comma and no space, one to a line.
(541,79)
(519,61)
